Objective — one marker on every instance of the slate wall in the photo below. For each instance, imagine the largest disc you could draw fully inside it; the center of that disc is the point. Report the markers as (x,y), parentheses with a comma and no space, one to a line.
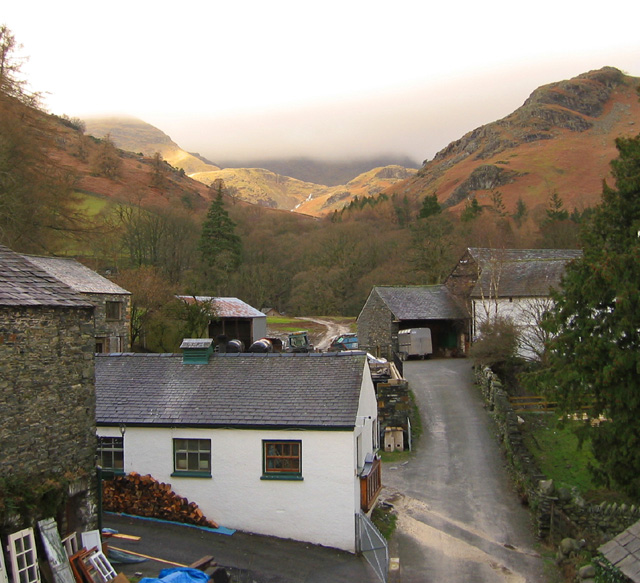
(377,331)
(47,399)
(112,329)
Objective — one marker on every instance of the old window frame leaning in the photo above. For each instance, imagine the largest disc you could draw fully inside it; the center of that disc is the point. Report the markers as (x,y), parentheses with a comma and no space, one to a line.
(111,449)
(113,311)
(191,457)
(281,459)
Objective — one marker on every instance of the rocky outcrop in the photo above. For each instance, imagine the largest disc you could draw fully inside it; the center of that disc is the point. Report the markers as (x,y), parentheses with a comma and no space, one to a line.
(485,177)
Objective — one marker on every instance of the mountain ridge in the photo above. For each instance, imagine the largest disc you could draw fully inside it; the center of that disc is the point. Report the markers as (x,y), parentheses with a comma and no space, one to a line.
(561,139)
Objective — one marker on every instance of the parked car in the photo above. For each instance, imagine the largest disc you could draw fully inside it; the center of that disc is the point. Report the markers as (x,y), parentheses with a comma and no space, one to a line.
(344,342)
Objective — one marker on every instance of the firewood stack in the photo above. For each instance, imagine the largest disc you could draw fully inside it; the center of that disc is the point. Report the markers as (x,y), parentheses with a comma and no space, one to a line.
(145,496)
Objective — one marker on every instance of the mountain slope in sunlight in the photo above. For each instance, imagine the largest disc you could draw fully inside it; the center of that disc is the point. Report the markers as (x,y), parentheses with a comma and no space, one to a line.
(134,135)
(561,140)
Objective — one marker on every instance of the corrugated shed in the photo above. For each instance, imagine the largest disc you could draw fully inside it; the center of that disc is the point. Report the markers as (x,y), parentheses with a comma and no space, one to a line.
(76,275)
(432,302)
(319,390)
(24,284)
(227,307)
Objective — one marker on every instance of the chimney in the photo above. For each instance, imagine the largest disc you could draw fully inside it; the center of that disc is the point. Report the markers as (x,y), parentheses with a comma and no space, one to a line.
(196,350)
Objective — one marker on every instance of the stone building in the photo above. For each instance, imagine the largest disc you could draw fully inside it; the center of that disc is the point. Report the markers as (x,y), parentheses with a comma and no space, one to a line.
(391,309)
(47,398)
(513,284)
(113,303)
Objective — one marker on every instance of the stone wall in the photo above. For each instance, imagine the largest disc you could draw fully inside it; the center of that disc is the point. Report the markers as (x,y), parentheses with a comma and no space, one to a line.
(47,399)
(114,333)
(376,328)
(559,513)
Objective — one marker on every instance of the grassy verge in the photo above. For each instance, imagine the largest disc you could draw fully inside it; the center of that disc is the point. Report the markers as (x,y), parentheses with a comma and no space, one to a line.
(561,457)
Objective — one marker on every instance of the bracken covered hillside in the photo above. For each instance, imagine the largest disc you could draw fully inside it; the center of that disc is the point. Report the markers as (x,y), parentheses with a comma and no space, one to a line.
(561,140)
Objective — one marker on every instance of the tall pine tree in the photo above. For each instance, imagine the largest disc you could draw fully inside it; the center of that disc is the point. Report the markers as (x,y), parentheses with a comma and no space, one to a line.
(220,247)
(595,350)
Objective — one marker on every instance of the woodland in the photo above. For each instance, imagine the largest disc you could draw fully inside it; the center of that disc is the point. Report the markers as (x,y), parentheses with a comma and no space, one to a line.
(158,233)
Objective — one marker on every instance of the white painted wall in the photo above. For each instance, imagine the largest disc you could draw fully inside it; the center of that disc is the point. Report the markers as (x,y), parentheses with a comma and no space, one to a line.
(320,509)
(259,329)
(521,311)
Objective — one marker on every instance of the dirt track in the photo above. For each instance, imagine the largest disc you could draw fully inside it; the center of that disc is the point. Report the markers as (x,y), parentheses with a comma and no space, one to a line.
(332,329)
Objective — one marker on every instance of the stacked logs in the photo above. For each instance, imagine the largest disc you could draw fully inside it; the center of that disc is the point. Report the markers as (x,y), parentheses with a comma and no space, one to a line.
(145,496)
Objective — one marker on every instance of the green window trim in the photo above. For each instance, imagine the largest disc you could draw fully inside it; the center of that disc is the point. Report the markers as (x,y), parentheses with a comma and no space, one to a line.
(192,457)
(281,459)
(181,474)
(282,477)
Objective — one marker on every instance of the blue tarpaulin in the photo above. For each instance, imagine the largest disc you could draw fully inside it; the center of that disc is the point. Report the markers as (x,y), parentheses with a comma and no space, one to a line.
(178,575)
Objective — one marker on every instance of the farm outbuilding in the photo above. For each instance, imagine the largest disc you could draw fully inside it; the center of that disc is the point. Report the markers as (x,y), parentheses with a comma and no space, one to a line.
(391,309)
(234,319)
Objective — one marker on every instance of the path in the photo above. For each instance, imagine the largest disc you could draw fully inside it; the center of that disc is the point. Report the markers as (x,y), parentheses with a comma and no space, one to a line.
(333,329)
(459,519)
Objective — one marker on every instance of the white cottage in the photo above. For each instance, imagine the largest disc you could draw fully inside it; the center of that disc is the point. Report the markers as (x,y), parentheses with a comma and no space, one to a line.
(514,284)
(275,444)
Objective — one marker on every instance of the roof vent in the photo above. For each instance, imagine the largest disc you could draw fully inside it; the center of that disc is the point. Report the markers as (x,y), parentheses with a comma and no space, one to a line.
(196,350)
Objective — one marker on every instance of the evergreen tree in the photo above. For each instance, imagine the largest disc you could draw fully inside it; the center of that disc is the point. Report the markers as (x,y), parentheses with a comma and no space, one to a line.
(430,207)
(219,247)
(594,354)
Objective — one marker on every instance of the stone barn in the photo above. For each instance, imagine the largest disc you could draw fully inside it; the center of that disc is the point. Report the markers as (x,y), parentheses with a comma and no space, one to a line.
(47,398)
(390,309)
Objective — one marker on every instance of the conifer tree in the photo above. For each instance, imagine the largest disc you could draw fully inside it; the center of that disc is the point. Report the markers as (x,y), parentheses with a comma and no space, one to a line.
(594,354)
(220,247)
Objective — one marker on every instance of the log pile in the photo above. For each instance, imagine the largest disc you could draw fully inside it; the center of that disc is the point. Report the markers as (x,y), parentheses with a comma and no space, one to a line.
(146,496)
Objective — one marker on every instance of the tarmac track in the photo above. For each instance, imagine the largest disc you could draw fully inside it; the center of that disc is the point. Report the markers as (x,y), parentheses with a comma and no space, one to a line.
(459,518)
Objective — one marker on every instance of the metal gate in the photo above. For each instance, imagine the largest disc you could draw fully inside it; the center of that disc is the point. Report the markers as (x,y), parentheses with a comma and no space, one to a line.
(373,546)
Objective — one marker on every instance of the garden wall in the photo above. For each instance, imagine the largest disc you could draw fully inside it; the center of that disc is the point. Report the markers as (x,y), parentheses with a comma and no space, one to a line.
(558,513)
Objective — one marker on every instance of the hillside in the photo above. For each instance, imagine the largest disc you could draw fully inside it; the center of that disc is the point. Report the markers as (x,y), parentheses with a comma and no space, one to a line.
(255,184)
(326,172)
(134,135)
(561,139)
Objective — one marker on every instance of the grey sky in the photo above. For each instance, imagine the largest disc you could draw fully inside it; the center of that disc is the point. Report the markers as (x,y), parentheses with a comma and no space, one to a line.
(333,79)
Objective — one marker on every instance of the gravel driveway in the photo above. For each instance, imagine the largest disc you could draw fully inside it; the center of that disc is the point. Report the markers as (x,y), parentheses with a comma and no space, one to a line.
(460,519)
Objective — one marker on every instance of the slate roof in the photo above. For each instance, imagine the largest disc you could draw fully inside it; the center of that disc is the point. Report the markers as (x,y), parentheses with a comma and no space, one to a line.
(76,275)
(624,552)
(227,307)
(482,254)
(314,390)
(430,302)
(520,272)
(24,284)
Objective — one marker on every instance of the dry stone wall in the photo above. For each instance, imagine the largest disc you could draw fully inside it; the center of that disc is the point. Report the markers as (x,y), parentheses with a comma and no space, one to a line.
(559,513)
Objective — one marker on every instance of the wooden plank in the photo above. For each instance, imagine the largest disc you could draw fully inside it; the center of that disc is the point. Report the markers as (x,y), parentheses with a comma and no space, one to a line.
(55,551)
(149,557)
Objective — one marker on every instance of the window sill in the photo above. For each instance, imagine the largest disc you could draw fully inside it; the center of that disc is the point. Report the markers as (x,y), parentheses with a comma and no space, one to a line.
(190,475)
(282,477)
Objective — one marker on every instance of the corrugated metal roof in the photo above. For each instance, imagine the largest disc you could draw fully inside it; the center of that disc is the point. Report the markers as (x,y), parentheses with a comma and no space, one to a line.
(624,552)
(431,302)
(76,275)
(24,284)
(242,390)
(227,307)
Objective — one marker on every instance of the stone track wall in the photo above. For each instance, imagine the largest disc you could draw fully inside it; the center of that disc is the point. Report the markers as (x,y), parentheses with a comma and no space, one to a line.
(559,513)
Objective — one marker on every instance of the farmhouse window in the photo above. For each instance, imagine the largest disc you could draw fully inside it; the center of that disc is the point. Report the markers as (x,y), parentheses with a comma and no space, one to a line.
(113,310)
(111,453)
(282,460)
(192,457)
